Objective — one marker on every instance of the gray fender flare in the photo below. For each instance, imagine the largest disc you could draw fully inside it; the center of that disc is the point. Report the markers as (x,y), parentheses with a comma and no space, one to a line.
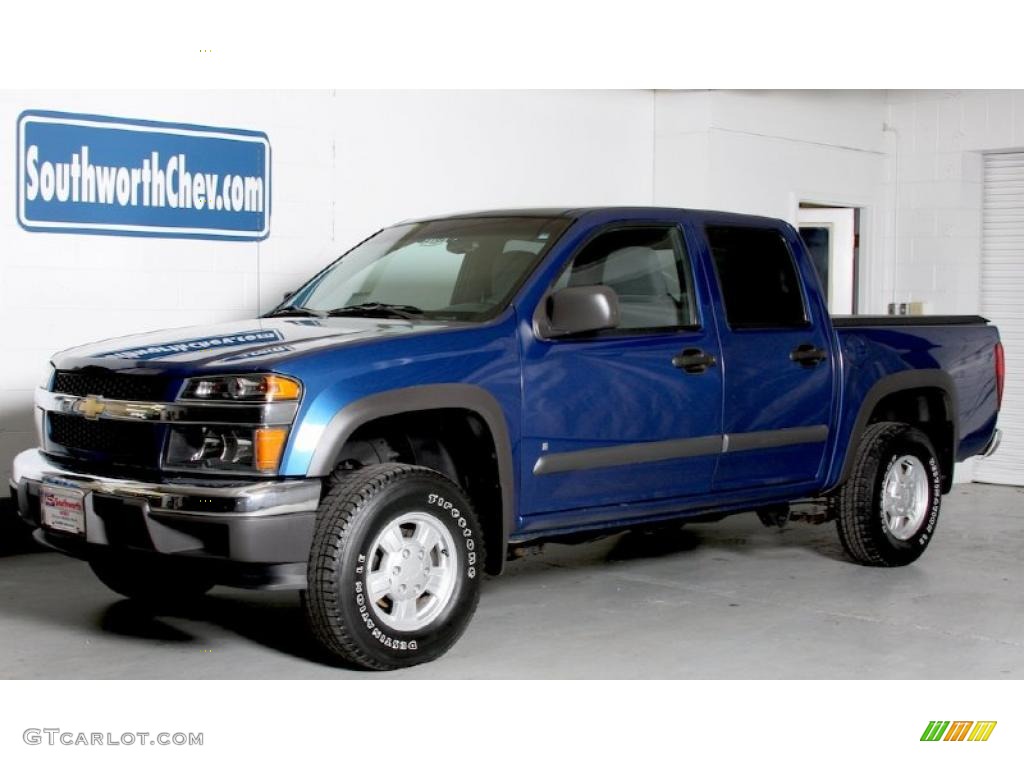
(424,398)
(889,385)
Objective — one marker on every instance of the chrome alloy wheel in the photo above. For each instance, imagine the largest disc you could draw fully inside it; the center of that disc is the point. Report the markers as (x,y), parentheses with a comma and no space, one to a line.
(905,497)
(413,569)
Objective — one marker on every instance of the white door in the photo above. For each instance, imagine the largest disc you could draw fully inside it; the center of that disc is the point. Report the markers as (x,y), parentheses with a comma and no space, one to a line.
(829,236)
(1002,302)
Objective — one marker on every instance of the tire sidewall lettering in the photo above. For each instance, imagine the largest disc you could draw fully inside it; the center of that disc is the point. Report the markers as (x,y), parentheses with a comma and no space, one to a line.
(934,500)
(448,511)
(436,500)
(365,615)
(859,504)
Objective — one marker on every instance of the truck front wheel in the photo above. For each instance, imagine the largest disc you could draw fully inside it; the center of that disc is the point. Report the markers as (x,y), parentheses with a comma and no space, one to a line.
(888,508)
(395,567)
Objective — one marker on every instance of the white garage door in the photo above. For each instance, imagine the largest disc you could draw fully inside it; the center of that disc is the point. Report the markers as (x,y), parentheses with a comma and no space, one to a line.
(1002,301)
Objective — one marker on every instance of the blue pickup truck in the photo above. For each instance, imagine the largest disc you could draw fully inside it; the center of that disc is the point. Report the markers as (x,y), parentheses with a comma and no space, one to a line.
(455,390)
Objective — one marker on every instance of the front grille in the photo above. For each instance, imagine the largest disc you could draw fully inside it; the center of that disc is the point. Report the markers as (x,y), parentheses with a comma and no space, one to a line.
(105,442)
(113,385)
(121,438)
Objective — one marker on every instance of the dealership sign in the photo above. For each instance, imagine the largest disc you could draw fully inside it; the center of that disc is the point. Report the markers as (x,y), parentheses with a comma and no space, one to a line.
(113,176)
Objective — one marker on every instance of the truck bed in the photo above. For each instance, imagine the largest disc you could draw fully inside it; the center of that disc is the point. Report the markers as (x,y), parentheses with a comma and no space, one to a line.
(959,348)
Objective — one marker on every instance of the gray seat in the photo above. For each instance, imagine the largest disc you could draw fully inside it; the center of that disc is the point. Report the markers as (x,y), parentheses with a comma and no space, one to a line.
(635,274)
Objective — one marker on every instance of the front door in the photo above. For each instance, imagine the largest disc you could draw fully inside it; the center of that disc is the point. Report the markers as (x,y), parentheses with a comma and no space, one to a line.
(629,414)
(778,367)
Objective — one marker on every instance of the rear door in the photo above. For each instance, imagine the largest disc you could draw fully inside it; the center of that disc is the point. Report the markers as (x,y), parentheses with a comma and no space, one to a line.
(776,346)
(612,417)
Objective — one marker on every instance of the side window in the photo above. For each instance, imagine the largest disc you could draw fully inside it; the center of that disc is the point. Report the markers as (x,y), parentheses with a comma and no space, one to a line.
(647,268)
(758,278)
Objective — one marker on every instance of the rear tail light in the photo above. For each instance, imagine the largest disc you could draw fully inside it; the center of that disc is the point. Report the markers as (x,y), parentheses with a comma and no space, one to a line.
(1000,373)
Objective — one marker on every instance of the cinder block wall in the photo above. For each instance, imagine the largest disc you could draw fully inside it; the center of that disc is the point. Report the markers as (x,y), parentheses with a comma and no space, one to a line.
(765,152)
(347,163)
(344,165)
(940,138)
(939,141)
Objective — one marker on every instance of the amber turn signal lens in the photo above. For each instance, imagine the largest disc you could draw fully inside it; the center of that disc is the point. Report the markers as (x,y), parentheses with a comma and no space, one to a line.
(282,388)
(269,447)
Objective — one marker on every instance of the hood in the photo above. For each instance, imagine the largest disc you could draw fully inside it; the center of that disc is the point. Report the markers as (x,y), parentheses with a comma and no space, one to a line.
(252,343)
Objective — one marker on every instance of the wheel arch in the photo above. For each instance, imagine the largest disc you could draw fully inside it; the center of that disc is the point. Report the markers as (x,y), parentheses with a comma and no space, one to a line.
(419,399)
(908,390)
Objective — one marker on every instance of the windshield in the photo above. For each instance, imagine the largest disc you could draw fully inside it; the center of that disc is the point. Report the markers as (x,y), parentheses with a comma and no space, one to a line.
(452,269)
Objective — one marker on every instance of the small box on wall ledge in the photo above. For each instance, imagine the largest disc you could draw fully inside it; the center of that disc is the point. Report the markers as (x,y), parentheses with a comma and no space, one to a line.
(907,308)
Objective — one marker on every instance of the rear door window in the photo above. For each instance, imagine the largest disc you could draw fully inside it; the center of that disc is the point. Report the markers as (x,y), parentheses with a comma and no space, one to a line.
(757,275)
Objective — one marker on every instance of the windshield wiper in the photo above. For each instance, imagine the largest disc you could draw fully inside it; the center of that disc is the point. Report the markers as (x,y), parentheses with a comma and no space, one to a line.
(377,309)
(297,312)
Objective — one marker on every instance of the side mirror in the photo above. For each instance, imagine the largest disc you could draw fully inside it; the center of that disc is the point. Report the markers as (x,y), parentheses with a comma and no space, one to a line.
(288,295)
(583,309)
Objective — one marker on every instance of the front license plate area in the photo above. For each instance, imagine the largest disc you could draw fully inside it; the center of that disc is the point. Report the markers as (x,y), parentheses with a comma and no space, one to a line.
(62,509)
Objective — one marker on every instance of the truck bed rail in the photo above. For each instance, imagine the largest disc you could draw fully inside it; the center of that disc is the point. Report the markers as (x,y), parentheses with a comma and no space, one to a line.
(870,321)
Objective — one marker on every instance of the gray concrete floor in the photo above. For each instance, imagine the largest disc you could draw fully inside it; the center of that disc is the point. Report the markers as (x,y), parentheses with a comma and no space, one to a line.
(724,600)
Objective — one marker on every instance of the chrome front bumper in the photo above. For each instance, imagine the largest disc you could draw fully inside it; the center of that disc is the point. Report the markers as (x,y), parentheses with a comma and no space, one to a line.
(262,522)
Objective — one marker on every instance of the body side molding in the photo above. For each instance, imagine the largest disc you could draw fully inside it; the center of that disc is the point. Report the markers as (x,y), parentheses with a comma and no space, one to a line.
(629,453)
(640,453)
(774,438)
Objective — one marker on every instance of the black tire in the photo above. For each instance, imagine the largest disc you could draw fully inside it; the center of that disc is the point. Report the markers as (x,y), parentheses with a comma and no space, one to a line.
(149,581)
(857,504)
(358,505)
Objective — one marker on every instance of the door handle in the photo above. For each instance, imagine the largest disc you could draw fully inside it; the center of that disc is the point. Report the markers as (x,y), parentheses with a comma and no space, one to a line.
(693,360)
(808,355)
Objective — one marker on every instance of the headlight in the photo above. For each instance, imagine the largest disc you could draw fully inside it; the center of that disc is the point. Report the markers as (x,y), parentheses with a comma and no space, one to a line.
(216,448)
(256,387)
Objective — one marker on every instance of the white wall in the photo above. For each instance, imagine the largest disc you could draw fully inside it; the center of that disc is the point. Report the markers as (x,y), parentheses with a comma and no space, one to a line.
(765,152)
(347,163)
(940,137)
(344,164)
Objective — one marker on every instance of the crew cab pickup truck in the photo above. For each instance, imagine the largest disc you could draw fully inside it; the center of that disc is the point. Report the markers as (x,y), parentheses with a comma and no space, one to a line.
(456,389)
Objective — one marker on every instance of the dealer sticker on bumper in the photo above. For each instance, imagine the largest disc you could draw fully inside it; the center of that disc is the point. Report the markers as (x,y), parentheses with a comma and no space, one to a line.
(63,509)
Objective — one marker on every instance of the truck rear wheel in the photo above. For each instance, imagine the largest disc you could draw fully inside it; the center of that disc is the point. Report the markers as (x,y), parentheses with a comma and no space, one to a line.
(149,581)
(887,510)
(395,567)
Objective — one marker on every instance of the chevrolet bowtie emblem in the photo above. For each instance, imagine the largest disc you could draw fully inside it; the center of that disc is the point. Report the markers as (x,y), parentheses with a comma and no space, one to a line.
(91,407)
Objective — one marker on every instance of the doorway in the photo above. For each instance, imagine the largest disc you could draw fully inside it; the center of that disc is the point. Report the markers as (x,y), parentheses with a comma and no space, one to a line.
(830,234)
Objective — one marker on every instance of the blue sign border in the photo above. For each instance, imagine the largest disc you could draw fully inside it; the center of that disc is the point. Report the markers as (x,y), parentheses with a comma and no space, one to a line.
(170,233)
